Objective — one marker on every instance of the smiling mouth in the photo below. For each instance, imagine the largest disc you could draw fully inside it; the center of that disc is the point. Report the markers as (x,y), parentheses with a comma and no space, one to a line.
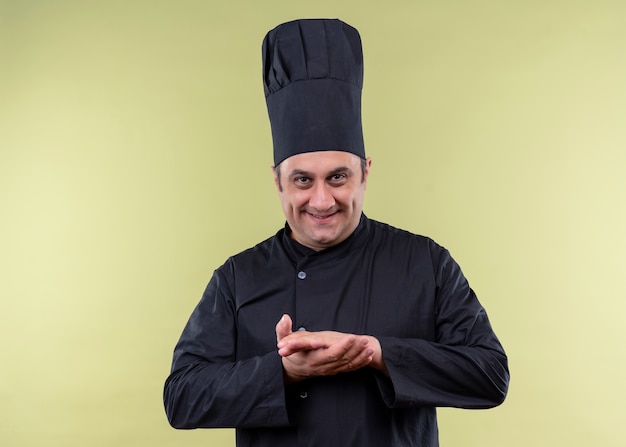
(319,217)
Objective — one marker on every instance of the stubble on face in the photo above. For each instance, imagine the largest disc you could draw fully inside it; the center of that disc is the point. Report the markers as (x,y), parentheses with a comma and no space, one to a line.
(321,194)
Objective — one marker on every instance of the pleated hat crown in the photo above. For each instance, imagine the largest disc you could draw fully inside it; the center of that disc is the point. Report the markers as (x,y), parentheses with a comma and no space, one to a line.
(313,78)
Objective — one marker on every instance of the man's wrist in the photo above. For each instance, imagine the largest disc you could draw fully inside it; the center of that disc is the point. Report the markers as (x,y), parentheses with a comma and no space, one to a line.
(378,362)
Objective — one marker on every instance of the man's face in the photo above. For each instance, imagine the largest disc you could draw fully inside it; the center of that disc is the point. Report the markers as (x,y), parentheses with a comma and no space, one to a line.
(322,196)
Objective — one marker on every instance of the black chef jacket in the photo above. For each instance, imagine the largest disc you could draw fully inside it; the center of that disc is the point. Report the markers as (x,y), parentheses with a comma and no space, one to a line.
(437,344)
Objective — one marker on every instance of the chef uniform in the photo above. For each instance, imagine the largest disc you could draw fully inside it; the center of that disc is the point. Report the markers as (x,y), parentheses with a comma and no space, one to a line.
(438,346)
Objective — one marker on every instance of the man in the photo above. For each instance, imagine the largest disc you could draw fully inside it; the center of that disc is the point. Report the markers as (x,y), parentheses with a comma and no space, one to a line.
(339,330)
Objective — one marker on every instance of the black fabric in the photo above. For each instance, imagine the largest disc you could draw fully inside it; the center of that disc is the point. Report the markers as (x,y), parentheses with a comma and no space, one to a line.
(313,77)
(437,343)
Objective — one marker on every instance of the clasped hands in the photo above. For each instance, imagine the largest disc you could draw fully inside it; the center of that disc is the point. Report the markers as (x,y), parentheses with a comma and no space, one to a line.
(325,353)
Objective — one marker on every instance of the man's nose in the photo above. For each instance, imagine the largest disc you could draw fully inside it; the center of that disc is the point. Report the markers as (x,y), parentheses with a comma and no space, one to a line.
(321,197)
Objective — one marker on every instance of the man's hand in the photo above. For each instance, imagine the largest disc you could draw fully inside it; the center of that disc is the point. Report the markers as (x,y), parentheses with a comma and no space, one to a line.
(309,354)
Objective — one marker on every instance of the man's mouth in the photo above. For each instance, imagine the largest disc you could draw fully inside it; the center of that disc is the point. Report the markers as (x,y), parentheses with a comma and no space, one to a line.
(321,217)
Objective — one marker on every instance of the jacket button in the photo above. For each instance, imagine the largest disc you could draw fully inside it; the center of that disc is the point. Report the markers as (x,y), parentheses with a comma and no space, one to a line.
(303,394)
(301,275)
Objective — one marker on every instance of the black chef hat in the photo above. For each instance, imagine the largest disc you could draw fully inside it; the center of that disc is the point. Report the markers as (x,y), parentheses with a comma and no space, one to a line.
(313,77)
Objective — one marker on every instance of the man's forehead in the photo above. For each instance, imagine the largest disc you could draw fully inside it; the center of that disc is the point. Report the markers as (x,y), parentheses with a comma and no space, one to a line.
(320,160)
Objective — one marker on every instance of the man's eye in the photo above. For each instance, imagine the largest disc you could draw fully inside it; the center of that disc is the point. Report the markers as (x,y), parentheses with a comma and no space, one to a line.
(301,179)
(338,178)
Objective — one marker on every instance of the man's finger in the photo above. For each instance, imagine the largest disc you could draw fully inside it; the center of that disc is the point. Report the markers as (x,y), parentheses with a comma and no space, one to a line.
(340,352)
(283,327)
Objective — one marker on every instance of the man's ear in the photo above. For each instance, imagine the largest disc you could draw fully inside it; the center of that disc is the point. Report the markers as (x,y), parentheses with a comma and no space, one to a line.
(366,172)
(276,178)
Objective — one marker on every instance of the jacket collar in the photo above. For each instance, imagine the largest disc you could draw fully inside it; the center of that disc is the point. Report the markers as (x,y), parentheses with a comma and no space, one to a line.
(298,252)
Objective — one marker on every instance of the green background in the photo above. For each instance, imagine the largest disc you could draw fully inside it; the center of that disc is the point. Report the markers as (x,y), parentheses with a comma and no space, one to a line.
(134,159)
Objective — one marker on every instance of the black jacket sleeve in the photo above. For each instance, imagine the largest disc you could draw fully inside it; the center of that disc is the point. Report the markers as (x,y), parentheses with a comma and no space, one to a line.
(465,366)
(208,386)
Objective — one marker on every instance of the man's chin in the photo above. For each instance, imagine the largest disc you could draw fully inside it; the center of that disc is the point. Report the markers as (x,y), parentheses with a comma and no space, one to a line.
(325,239)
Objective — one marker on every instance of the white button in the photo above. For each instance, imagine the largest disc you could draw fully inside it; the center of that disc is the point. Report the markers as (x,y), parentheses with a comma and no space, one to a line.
(302,328)
(301,275)
(303,394)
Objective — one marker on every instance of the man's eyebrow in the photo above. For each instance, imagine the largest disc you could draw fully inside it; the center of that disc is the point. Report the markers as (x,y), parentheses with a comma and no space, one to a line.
(303,173)
(299,172)
(340,170)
